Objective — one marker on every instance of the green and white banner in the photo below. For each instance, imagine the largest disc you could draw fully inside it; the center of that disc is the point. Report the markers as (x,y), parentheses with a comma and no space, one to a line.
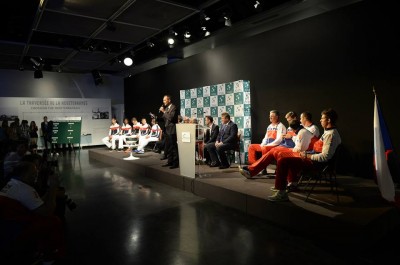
(233,97)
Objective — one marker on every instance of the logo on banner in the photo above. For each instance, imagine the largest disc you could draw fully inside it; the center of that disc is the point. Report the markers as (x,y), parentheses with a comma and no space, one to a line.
(199,92)
(214,101)
(230,99)
(229,88)
(213,91)
(230,110)
(206,102)
(193,103)
(200,102)
(239,110)
(238,98)
(206,91)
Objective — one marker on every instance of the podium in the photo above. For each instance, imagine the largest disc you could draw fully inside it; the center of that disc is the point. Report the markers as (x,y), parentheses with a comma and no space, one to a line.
(188,134)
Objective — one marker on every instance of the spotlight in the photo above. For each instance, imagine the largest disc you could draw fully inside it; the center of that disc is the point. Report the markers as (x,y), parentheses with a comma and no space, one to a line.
(91,48)
(187,35)
(171,41)
(228,22)
(98,79)
(36,63)
(128,61)
(204,16)
(150,44)
(256,4)
(206,32)
(38,74)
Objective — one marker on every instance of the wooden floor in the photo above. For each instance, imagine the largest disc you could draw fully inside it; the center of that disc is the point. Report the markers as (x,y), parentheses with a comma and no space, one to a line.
(361,215)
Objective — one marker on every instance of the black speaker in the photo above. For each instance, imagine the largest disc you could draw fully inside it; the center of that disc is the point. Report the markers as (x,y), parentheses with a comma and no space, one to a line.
(98,79)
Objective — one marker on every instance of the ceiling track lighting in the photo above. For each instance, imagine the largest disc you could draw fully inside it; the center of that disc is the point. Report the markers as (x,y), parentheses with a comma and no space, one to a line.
(150,44)
(256,4)
(228,22)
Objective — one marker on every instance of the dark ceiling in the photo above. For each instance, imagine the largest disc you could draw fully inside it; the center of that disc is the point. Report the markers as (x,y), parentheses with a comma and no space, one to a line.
(82,36)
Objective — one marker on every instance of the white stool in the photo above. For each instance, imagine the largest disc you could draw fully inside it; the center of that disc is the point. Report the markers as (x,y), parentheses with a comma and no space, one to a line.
(131,142)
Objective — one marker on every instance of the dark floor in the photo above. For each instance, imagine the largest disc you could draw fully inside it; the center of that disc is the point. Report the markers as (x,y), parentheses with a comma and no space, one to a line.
(126,219)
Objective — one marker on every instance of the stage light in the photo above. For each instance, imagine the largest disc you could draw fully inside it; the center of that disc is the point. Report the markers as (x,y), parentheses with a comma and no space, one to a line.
(204,16)
(150,44)
(98,79)
(128,61)
(256,4)
(228,22)
(36,63)
(38,74)
(187,35)
(171,41)
(206,32)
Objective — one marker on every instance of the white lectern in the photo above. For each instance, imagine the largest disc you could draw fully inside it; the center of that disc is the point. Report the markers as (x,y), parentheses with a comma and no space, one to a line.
(186,134)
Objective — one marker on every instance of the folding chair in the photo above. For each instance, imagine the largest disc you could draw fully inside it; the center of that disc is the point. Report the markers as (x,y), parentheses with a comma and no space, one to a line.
(231,153)
(322,171)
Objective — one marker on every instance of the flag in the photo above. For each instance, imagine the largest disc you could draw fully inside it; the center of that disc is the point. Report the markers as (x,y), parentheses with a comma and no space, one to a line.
(382,145)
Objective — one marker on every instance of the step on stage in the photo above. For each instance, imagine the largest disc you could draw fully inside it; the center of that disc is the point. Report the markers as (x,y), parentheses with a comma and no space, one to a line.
(360,217)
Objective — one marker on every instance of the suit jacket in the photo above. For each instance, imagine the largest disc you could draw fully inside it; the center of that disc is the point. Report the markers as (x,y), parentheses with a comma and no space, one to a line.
(170,117)
(211,135)
(228,133)
(47,131)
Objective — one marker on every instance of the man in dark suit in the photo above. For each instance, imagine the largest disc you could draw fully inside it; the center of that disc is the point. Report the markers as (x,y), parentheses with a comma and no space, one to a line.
(170,116)
(226,140)
(47,132)
(210,137)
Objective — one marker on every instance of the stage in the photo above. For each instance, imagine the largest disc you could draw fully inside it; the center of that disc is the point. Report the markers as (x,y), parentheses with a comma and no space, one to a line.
(360,217)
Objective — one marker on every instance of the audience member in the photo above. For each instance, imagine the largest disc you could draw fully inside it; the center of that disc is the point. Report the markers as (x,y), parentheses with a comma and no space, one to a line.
(33,136)
(47,133)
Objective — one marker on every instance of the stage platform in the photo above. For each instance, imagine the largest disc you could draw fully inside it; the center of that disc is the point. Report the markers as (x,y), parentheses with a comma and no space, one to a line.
(360,217)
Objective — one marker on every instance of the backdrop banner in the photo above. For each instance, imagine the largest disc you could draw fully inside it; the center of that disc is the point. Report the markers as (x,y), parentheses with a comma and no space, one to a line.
(233,97)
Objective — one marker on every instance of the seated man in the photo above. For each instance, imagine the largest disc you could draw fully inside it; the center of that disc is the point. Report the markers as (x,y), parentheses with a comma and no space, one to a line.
(305,119)
(113,132)
(289,136)
(302,142)
(289,165)
(126,130)
(272,138)
(153,136)
(210,137)
(20,202)
(226,140)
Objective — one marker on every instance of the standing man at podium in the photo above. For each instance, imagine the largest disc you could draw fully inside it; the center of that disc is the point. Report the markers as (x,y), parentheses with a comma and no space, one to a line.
(170,116)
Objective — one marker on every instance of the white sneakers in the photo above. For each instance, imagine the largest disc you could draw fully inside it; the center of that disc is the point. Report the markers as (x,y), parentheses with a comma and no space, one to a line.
(279,196)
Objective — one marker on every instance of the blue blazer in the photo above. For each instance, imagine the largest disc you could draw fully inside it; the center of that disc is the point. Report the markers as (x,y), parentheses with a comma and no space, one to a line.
(228,133)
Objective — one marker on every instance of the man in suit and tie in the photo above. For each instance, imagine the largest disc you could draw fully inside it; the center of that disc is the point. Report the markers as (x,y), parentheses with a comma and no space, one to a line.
(47,132)
(226,140)
(170,116)
(211,136)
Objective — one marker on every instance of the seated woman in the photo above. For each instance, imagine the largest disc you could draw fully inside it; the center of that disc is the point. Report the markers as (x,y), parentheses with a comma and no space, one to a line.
(289,165)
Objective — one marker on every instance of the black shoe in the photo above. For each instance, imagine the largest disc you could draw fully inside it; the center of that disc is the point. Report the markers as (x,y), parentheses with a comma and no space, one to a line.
(215,164)
(157,151)
(167,165)
(264,172)
(174,166)
(224,166)
(163,158)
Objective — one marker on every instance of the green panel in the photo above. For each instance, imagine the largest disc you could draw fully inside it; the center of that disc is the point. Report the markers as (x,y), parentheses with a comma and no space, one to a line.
(239,122)
(230,110)
(193,103)
(214,111)
(221,100)
(188,113)
(206,102)
(229,88)
(187,93)
(200,113)
(238,98)
(247,110)
(213,90)
(67,131)
(199,92)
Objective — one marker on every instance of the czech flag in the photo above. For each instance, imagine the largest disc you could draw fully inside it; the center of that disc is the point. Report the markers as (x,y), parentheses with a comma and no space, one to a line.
(382,146)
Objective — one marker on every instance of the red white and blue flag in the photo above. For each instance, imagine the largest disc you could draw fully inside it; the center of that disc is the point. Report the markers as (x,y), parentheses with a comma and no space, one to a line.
(382,146)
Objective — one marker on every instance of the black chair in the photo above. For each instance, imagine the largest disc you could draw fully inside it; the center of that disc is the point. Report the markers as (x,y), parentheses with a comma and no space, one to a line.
(321,171)
(231,153)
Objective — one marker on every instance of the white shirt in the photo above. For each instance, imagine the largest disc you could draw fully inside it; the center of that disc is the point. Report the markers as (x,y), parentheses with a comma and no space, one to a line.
(23,193)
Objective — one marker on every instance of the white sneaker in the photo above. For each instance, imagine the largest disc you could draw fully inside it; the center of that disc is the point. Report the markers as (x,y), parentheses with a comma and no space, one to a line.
(245,172)
(279,196)
(273,188)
